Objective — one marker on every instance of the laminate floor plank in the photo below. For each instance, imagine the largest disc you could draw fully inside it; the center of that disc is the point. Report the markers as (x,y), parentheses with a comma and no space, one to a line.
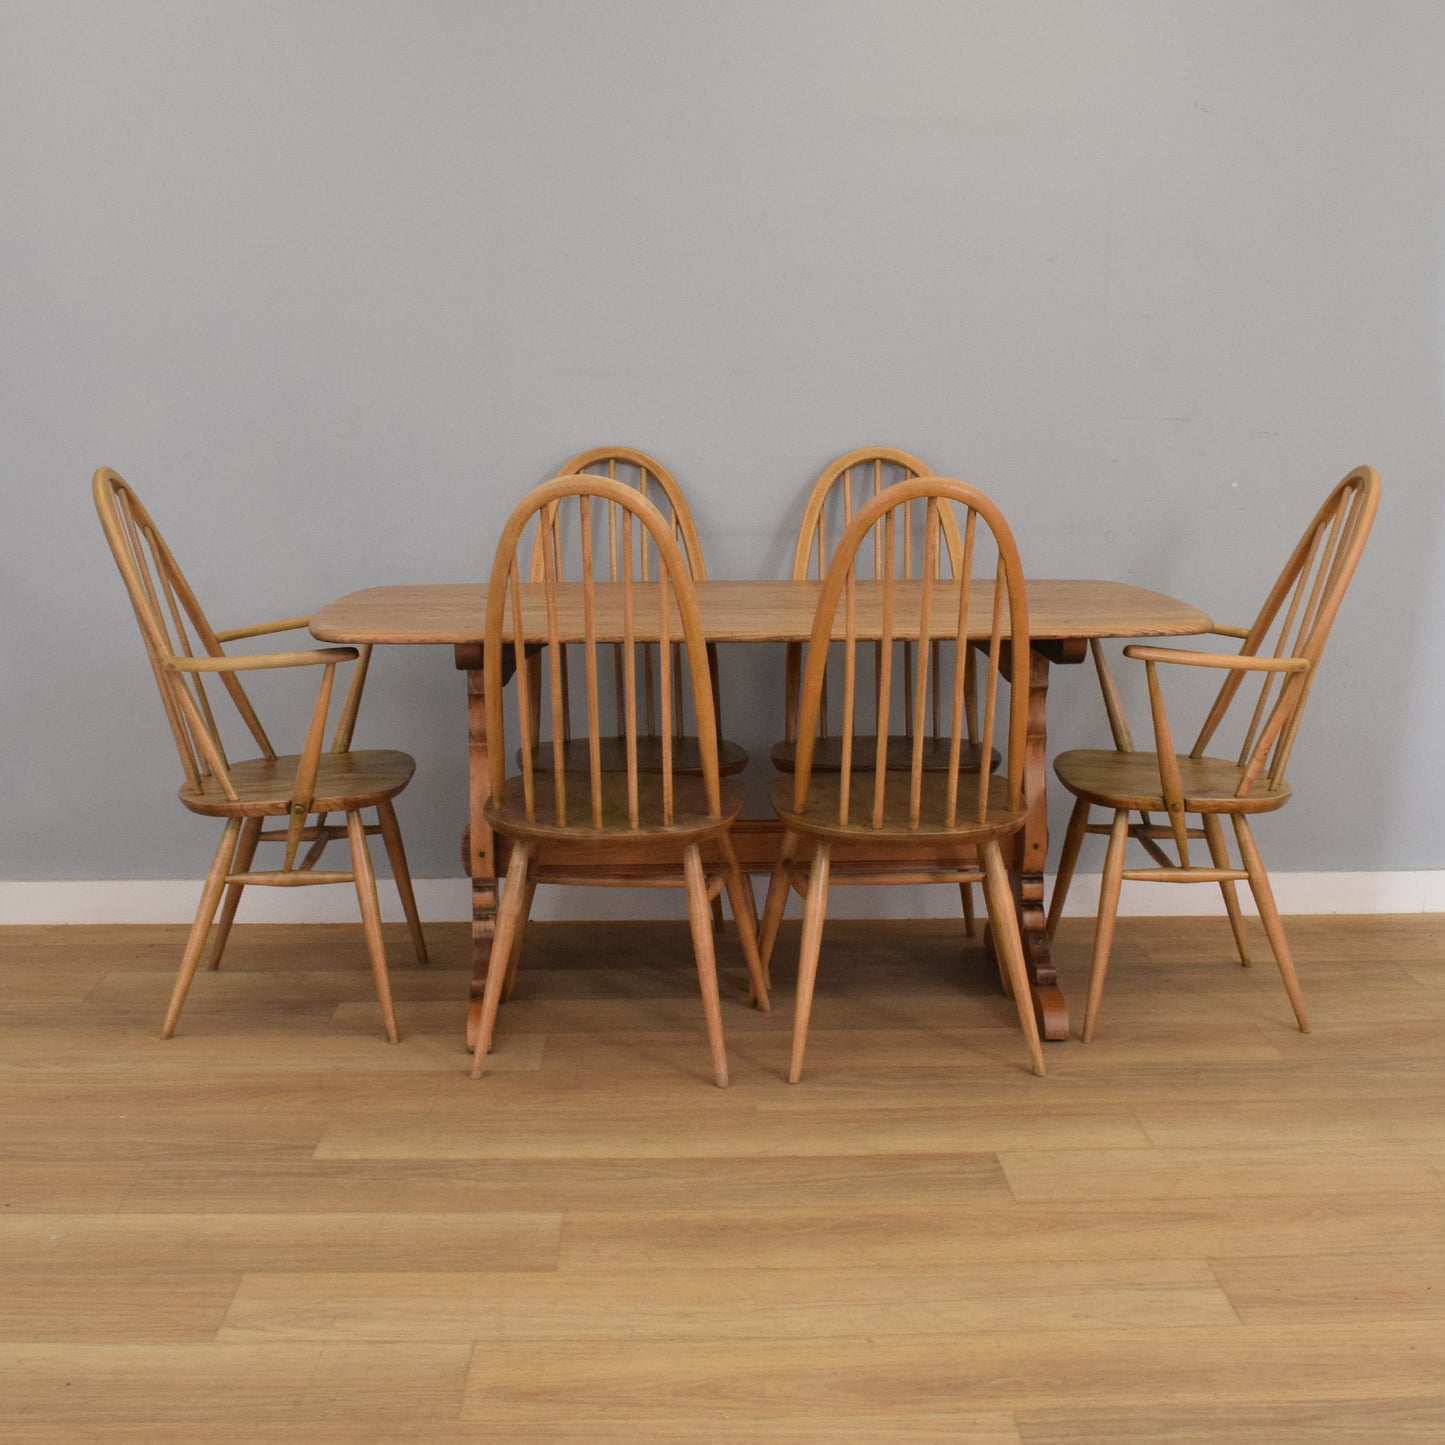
(721,1305)
(973,1232)
(1064,1175)
(1074,1370)
(1389,1283)
(171,1246)
(42,1186)
(110,1304)
(408,1185)
(716,1125)
(1366,1421)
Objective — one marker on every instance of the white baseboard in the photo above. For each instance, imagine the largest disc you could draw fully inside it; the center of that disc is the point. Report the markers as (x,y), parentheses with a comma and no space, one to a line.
(449,899)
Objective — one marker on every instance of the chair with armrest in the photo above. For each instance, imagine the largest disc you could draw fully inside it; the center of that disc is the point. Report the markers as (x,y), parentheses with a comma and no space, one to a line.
(845,485)
(608,827)
(1298,613)
(184,650)
(909,824)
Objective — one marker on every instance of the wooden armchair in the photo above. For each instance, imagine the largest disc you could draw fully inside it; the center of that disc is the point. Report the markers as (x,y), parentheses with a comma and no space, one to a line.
(941,825)
(605,826)
(1298,613)
(846,484)
(184,651)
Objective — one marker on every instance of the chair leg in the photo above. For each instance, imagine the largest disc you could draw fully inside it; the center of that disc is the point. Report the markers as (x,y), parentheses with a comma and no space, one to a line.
(718,921)
(700,917)
(205,912)
(1104,923)
(401,874)
(814,910)
(1269,915)
(777,900)
(969,925)
(365,879)
(1219,855)
(740,895)
(1068,859)
(513,896)
(998,894)
(514,960)
(245,853)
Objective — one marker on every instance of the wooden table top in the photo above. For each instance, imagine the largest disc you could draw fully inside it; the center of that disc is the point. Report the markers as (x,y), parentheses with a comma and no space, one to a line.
(766,611)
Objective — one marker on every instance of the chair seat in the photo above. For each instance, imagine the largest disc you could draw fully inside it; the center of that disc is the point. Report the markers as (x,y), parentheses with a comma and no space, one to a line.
(344,782)
(690,818)
(1131,780)
(828,754)
(686,756)
(821,819)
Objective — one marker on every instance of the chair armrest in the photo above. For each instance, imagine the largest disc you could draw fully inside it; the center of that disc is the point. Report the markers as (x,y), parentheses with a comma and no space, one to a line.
(261,661)
(262,629)
(1231,661)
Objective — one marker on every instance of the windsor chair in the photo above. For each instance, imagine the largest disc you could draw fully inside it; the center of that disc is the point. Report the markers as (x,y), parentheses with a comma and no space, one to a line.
(845,485)
(606,827)
(184,649)
(943,825)
(654,482)
(1299,611)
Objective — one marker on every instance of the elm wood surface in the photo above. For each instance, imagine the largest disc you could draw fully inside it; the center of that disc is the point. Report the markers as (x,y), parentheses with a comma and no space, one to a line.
(1298,614)
(184,650)
(893,809)
(848,483)
(1063,615)
(635,468)
(278,1229)
(606,814)
(454,613)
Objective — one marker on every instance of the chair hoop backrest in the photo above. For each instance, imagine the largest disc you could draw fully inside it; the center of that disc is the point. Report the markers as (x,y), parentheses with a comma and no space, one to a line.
(655,483)
(862,469)
(943,614)
(168,613)
(1299,611)
(620,612)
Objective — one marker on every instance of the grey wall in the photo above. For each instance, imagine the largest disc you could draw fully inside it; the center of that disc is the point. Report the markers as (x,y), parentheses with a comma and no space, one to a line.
(332,284)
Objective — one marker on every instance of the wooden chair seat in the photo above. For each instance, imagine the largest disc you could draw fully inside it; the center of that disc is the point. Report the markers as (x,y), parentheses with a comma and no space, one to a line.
(1131,780)
(821,819)
(686,756)
(264,786)
(691,819)
(828,754)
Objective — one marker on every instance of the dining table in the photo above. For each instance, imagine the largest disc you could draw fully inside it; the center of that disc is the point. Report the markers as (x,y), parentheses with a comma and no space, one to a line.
(1064,615)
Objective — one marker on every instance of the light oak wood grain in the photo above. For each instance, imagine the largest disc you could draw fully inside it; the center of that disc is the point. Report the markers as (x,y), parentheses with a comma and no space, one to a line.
(741,1303)
(1184,1245)
(1080,1369)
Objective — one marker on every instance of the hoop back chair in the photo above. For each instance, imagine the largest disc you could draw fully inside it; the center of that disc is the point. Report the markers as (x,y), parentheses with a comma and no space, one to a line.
(1282,647)
(184,650)
(654,482)
(942,826)
(608,827)
(846,484)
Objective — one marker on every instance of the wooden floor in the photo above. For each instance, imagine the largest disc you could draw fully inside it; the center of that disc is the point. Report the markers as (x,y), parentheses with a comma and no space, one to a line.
(277,1228)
